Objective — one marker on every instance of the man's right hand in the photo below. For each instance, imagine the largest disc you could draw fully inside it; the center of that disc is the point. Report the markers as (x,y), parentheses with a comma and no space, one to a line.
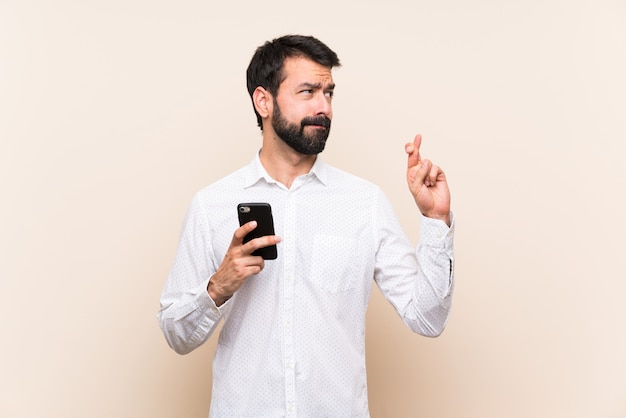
(238,263)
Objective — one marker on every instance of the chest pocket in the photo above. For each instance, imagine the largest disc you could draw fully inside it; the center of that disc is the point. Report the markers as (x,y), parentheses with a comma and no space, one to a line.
(335,263)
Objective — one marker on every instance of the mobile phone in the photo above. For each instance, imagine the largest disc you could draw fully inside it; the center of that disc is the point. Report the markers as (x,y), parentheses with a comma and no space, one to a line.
(262,214)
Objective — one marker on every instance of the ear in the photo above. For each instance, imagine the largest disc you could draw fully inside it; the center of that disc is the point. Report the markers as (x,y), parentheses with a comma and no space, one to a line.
(263,102)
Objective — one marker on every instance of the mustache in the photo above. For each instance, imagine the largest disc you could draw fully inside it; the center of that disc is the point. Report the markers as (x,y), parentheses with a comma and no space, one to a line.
(316,120)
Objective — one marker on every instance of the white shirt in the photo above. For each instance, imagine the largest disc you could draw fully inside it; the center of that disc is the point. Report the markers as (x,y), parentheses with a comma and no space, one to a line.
(293,339)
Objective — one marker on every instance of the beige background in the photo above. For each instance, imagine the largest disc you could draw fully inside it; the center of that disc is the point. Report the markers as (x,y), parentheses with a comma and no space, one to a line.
(113,114)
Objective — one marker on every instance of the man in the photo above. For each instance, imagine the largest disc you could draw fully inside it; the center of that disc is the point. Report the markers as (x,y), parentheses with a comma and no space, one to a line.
(293,338)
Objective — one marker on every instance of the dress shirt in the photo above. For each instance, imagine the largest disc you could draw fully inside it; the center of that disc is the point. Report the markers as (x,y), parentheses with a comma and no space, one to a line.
(293,338)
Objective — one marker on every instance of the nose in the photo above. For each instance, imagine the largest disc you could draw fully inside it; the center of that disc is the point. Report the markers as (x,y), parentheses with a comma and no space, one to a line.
(323,105)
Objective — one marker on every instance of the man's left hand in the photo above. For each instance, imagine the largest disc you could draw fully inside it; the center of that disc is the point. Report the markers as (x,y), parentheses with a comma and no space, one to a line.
(427,183)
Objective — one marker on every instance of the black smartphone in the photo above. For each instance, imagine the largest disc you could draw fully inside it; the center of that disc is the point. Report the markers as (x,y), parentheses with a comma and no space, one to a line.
(262,214)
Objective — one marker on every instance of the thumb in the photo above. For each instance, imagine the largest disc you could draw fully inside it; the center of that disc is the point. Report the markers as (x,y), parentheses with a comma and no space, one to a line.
(242,231)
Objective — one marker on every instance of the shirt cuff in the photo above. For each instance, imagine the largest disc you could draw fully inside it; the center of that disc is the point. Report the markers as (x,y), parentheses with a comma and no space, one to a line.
(435,232)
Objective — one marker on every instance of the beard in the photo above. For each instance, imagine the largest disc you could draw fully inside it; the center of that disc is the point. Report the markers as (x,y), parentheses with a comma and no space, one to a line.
(293,134)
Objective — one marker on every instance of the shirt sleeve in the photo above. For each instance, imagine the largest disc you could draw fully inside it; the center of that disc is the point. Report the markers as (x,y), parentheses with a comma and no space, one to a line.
(188,316)
(418,282)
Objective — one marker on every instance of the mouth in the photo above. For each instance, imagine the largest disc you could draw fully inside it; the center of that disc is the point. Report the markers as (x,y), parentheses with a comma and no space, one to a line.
(317,123)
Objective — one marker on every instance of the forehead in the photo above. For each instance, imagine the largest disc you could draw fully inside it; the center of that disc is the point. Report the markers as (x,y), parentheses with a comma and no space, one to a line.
(297,70)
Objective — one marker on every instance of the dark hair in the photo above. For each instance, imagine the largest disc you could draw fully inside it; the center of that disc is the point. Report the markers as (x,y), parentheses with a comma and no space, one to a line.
(266,66)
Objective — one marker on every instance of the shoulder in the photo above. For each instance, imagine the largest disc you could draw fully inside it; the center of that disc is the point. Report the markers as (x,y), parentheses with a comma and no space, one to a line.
(227,184)
(213,200)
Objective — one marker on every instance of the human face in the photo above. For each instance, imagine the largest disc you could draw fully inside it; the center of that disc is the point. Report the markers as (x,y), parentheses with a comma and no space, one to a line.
(302,109)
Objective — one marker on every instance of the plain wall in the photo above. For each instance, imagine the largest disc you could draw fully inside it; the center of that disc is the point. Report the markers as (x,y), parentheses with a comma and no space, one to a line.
(114,113)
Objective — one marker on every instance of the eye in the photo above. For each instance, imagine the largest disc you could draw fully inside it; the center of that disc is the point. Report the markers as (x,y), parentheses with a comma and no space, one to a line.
(330,94)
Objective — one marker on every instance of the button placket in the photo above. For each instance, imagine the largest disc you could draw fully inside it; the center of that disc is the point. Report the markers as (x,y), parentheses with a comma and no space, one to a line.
(288,291)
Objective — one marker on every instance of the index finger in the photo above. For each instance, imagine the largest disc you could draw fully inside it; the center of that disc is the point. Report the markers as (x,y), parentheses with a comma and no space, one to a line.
(249,244)
(255,244)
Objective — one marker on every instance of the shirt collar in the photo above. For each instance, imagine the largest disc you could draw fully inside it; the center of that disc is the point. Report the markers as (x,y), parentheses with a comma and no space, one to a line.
(255,172)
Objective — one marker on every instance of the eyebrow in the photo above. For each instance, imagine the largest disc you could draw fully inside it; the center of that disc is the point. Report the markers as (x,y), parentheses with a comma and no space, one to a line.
(316,86)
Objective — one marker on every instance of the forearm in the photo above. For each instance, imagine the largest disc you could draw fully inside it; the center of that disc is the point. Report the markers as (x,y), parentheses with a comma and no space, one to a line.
(188,319)
(433,289)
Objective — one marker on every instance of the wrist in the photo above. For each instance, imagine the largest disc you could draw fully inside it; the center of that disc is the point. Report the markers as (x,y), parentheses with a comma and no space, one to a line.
(216,294)
(445,218)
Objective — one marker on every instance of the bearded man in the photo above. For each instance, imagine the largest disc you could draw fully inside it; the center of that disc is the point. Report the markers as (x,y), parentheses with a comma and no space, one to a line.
(293,338)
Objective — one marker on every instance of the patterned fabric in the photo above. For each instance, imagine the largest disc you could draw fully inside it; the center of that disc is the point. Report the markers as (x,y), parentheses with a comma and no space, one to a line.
(293,338)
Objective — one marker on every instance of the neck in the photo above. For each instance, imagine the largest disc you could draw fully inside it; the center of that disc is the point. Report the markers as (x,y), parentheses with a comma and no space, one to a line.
(282,163)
